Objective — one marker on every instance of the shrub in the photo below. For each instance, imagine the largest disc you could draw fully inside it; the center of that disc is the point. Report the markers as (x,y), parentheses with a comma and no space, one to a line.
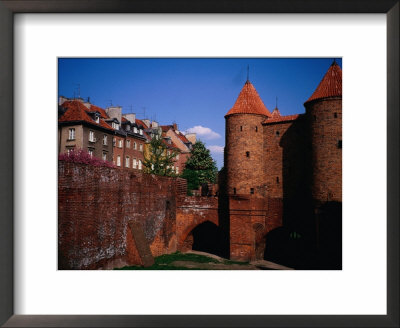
(82,156)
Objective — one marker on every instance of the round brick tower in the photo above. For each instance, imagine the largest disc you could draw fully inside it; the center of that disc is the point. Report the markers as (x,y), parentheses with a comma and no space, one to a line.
(244,143)
(324,111)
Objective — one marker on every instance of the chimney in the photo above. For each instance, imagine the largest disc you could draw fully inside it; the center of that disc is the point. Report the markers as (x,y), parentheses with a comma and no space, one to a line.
(154,124)
(115,112)
(130,117)
(175,126)
(191,137)
(147,122)
(62,100)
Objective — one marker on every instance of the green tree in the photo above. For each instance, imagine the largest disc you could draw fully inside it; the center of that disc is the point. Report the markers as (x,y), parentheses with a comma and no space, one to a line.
(158,159)
(200,167)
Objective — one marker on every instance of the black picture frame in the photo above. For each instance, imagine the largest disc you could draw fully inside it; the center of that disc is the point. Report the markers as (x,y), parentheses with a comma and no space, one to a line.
(7,10)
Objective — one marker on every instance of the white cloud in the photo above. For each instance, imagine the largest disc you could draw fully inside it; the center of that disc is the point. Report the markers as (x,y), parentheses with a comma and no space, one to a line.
(203,132)
(216,149)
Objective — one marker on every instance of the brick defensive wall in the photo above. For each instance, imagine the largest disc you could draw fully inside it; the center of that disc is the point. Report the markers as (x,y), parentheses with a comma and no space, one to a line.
(95,207)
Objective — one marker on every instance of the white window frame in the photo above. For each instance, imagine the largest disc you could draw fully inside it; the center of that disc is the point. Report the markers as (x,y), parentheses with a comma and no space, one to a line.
(140,147)
(141,132)
(71,134)
(134,163)
(134,145)
(97,119)
(119,143)
(135,129)
(140,164)
(128,143)
(91,136)
(118,160)
(90,151)
(105,140)
(127,161)
(104,157)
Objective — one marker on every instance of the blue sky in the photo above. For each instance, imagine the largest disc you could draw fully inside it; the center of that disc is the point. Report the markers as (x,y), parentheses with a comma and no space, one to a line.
(195,93)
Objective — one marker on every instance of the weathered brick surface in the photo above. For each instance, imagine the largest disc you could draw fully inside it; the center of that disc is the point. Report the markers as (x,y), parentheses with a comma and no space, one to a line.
(244,136)
(95,206)
(325,118)
(191,212)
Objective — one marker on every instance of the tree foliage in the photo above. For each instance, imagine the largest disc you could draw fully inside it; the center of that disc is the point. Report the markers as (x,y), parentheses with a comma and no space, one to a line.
(158,159)
(200,167)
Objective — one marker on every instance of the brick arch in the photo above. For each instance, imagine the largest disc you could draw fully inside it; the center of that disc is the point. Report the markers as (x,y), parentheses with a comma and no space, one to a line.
(193,225)
(191,212)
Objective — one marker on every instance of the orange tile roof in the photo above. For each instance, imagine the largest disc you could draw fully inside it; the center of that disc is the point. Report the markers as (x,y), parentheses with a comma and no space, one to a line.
(248,102)
(140,122)
(330,85)
(165,128)
(123,120)
(102,112)
(279,119)
(183,137)
(276,113)
(76,111)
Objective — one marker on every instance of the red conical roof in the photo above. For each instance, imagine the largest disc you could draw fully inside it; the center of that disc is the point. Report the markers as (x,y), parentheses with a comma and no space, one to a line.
(330,85)
(249,102)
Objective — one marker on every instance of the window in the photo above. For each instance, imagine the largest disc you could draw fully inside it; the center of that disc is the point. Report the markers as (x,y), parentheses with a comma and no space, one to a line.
(114,142)
(115,126)
(91,136)
(104,157)
(141,132)
(277,133)
(256,128)
(90,151)
(140,164)
(97,119)
(177,170)
(241,128)
(339,144)
(141,147)
(120,143)
(127,161)
(277,179)
(335,115)
(247,154)
(234,191)
(134,145)
(252,191)
(128,144)
(71,134)
(118,160)
(105,140)
(135,129)
(134,163)
(128,128)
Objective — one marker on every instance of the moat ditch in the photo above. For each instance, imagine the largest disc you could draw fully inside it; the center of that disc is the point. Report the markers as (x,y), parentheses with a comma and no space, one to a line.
(194,260)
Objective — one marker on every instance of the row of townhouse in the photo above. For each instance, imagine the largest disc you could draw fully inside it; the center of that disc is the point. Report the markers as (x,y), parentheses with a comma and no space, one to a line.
(115,137)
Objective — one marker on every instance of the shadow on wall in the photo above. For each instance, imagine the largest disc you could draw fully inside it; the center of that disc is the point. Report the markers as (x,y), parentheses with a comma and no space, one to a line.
(303,249)
(207,237)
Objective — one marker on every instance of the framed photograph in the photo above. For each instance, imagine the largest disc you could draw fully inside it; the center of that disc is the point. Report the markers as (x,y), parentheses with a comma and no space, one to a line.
(40,41)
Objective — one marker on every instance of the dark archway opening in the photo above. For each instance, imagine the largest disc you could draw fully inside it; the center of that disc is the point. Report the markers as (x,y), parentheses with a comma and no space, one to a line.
(289,247)
(207,237)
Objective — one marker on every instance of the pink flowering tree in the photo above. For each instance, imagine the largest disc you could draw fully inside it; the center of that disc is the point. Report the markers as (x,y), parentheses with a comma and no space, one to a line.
(83,157)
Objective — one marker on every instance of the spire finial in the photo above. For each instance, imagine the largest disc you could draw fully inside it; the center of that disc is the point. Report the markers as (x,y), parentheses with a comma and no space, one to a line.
(276,102)
(248,69)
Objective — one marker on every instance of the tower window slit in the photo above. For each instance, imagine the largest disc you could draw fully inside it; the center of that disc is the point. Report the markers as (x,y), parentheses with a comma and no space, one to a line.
(247,154)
